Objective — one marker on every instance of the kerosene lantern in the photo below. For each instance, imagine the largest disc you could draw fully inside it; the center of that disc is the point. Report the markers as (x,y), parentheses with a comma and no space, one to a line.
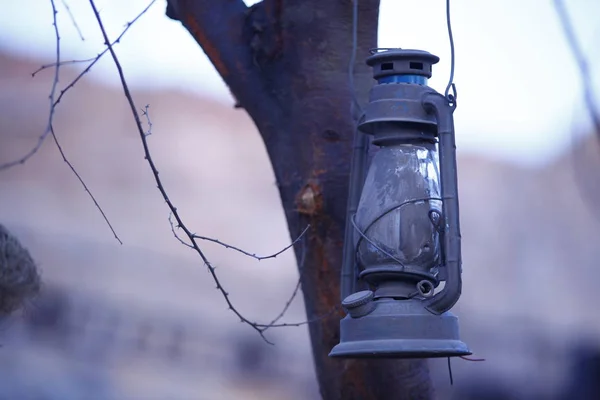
(402,242)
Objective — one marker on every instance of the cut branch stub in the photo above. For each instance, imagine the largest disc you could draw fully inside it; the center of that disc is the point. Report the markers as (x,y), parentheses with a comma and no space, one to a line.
(310,200)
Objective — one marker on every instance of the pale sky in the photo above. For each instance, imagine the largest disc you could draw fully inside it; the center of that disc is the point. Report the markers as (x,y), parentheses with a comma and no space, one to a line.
(519,91)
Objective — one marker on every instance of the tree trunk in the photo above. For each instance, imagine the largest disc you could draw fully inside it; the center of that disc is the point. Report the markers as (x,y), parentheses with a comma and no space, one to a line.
(286,63)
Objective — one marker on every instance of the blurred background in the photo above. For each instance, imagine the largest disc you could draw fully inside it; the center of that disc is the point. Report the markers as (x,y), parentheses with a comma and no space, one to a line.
(143,320)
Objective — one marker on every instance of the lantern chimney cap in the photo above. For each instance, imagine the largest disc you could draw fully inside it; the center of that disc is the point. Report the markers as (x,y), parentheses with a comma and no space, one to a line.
(390,62)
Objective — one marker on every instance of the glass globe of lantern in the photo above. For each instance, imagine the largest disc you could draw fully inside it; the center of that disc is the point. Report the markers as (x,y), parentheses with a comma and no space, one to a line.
(398,245)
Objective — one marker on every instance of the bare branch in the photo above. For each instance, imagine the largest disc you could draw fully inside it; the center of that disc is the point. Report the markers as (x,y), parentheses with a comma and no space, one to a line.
(260,328)
(289,302)
(253,255)
(57,64)
(582,64)
(73,20)
(301,270)
(159,183)
(211,23)
(62,153)
(46,132)
(54,103)
(587,195)
(50,128)
(229,33)
(273,323)
(99,56)
(228,246)
(264,327)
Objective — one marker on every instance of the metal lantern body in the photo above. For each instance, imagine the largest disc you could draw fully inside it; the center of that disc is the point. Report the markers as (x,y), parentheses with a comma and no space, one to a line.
(403,238)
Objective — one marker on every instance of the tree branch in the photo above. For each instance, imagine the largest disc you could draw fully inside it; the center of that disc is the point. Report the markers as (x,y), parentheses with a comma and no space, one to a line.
(581,170)
(221,29)
(51,97)
(85,186)
(260,328)
(247,253)
(582,64)
(212,22)
(155,173)
(73,20)
(55,102)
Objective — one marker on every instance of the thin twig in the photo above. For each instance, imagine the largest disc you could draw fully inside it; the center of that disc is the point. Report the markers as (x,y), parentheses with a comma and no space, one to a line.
(287,304)
(355,106)
(296,324)
(46,132)
(107,49)
(260,328)
(590,102)
(83,184)
(146,113)
(298,284)
(230,247)
(253,255)
(53,102)
(73,20)
(274,324)
(582,64)
(67,62)
(175,233)
(158,181)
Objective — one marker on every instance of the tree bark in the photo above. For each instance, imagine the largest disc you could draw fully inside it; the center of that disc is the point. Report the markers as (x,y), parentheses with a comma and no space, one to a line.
(286,63)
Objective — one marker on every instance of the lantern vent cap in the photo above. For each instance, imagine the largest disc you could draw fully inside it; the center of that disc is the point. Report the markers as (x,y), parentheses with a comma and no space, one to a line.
(393,62)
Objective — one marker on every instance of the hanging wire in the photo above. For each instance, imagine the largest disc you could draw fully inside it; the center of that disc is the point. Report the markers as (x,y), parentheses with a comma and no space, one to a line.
(450,96)
(450,372)
(452,100)
(356,108)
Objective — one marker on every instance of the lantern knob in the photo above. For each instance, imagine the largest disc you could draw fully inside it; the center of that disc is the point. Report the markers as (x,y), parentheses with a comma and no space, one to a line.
(359,304)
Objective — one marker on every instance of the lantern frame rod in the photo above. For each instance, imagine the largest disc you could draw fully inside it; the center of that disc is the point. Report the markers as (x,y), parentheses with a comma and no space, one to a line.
(440,106)
(357,178)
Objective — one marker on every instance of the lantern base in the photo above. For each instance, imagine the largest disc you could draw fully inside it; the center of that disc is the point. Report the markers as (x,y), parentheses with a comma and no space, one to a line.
(400,329)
